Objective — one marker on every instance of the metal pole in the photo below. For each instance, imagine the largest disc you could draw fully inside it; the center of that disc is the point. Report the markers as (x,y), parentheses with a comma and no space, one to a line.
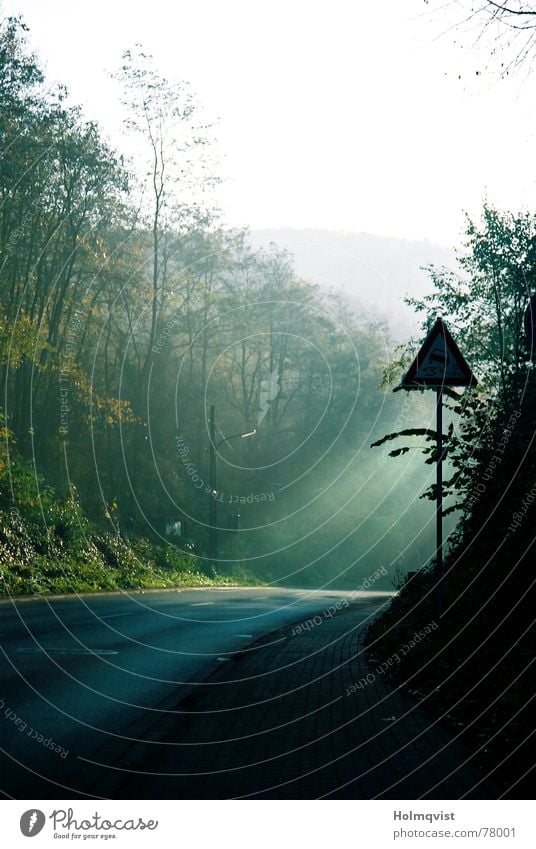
(439,495)
(213,512)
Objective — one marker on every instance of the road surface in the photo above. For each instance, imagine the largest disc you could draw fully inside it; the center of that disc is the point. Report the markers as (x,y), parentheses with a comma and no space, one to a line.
(83,678)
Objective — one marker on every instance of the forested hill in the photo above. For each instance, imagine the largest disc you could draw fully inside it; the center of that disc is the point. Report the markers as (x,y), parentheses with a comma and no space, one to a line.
(378,271)
(126,314)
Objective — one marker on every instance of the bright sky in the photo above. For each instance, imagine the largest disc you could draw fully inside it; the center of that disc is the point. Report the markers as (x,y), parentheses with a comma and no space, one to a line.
(341,115)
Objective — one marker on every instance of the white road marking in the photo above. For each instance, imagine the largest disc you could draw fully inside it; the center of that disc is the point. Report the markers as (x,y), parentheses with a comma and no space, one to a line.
(113,615)
(201,603)
(245,635)
(66,651)
(222,659)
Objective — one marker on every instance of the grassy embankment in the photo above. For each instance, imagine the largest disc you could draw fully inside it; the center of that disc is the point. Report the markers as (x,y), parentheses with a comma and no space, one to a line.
(64,554)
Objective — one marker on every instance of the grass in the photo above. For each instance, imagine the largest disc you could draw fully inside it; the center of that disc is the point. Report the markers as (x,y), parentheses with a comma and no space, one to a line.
(73,559)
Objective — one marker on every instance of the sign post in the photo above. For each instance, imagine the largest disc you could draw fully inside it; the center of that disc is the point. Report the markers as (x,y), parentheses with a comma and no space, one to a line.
(439,363)
(439,486)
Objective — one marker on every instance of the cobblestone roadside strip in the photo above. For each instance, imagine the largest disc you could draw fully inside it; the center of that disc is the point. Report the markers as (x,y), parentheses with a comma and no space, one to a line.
(283,721)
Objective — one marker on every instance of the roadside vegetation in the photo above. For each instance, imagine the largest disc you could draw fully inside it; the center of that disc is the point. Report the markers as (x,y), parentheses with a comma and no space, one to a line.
(47,545)
(476,671)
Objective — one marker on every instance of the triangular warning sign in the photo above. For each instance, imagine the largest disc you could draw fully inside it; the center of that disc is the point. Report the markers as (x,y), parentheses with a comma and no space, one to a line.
(439,362)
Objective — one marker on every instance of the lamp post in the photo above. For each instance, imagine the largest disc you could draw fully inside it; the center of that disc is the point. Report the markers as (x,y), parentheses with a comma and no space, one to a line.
(213,513)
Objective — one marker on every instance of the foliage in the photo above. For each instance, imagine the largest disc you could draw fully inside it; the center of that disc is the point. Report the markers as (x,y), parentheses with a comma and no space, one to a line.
(126,311)
(48,545)
(488,590)
(484,302)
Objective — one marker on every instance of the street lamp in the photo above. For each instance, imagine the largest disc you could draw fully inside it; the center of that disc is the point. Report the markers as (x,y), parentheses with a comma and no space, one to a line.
(213,517)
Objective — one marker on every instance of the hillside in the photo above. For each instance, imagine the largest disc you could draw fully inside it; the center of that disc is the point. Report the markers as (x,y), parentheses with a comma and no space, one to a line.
(377,270)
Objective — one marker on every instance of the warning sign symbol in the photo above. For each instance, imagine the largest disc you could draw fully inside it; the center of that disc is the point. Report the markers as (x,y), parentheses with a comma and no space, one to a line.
(439,362)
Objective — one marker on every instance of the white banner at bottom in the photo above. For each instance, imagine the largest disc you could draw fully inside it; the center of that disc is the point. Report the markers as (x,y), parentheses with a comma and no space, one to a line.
(269,824)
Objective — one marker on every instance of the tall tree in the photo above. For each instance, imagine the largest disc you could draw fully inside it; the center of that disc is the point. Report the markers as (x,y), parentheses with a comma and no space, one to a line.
(173,172)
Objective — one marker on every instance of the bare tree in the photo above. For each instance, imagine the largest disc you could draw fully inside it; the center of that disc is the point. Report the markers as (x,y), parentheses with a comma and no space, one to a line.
(506,29)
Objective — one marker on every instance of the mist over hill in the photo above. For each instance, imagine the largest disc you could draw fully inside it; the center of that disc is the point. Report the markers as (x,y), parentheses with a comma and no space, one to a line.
(377,270)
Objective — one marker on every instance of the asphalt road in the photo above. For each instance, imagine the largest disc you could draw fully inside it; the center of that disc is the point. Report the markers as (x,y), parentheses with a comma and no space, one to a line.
(82,678)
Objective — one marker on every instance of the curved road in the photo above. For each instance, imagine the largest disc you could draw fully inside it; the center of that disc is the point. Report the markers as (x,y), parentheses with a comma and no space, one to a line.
(85,676)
